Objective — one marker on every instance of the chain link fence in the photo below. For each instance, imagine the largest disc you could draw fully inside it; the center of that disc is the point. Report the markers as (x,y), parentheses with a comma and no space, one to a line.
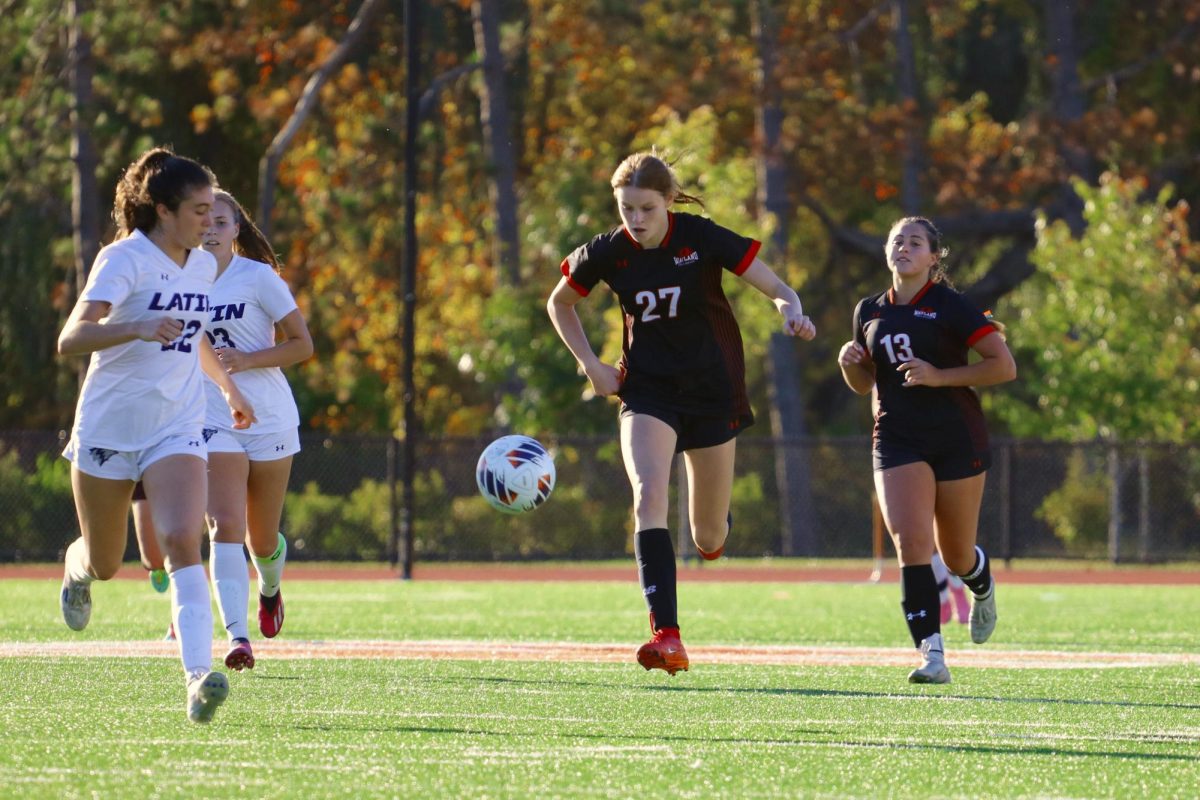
(1128,502)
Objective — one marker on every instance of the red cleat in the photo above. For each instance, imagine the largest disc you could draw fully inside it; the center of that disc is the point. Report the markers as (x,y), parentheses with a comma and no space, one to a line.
(240,656)
(714,555)
(664,651)
(270,614)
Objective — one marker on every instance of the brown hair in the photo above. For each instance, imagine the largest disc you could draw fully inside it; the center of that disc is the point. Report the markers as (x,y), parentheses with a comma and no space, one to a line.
(158,176)
(648,171)
(937,273)
(250,241)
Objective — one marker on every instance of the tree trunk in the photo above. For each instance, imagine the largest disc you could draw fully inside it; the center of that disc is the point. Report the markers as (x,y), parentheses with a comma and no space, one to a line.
(85,214)
(906,69)
(84,201)
(498,149)
(1068,104)
(268,165)
(797,527)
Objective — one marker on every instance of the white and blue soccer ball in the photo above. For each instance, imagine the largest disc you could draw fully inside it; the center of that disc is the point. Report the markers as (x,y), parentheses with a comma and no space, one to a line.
(515,474)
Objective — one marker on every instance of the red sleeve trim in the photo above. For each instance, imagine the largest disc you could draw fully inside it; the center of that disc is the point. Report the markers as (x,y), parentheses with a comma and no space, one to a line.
(748,259)
(979,334)
(566,271)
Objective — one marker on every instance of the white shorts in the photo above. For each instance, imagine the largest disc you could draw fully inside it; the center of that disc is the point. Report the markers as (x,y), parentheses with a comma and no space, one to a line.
(101,462)
(256,446)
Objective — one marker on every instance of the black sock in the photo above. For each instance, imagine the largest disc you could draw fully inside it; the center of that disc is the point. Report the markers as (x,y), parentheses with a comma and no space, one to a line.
(979,579)
(919,599)
(656,570)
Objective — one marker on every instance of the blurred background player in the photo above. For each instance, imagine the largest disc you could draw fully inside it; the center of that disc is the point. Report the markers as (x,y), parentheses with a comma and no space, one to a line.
(141,408)
(930,448)
(249,470)
(681,377)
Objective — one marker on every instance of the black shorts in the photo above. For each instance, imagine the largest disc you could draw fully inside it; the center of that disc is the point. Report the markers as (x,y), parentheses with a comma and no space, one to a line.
(953,455)
(692,431)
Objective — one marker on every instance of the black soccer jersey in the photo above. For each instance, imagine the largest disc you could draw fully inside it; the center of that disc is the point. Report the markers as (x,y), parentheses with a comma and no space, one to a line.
(939,325)
(681,346)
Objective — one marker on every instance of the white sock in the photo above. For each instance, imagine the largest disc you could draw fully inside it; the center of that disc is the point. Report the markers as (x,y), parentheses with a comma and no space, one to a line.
(75,557)
(270,569)
(939,568)
(191,609)
(231,584)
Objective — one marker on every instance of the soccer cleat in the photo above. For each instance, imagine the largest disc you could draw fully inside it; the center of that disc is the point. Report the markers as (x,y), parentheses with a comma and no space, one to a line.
(933,662)
(664,651)
(206,691)
(270,614)
(714,555)
(983,615)
(160,580)
(240,656)
(962,608)
(76,602)
(170,637)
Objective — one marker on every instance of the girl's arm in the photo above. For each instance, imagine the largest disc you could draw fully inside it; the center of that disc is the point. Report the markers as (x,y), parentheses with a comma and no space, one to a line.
(763,278)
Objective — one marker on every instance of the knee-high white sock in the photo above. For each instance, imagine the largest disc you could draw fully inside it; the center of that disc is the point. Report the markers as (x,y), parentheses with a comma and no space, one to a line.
(75,559)
(270,569)
(231,584)
(191,608)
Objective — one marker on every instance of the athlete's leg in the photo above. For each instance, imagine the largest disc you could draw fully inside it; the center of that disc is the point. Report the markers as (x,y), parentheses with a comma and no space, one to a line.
(906,498)
(957,509)
(710,486)
(648,448)
(227,472)
(102,506)
(957,512)
(177,490)
(266,490)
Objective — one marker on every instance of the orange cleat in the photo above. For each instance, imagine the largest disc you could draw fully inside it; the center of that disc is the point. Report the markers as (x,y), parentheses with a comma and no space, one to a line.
(664,651)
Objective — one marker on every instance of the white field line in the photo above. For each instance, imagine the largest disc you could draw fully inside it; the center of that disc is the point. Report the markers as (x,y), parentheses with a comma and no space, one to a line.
(777,655)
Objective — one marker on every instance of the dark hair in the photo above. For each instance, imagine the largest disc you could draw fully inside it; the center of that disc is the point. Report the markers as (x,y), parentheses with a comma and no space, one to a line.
(250,241)
(649,171)
(938,273)
(158,176)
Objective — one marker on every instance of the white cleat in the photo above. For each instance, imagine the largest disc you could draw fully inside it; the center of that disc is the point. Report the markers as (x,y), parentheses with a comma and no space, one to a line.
(933,662)
(983,615)
(76,602)
(206,691)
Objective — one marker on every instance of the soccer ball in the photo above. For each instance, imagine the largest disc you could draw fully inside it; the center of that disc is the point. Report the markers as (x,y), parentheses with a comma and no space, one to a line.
(515,474)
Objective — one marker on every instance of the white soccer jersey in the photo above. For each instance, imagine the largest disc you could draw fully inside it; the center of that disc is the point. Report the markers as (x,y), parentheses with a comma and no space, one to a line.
(139,392)
(247,300)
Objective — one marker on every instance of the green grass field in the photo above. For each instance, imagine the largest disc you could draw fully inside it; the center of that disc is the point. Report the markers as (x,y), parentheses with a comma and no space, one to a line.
(89,726)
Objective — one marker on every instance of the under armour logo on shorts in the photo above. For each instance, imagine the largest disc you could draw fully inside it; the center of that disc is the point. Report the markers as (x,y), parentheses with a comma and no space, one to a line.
(279,448)
(101,455)
(193,442)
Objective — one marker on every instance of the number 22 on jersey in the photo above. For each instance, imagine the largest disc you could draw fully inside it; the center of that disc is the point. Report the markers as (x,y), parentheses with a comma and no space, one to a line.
(898,346)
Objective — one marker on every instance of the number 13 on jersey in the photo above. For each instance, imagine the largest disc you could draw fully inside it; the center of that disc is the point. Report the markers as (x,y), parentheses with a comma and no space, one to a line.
(898,347)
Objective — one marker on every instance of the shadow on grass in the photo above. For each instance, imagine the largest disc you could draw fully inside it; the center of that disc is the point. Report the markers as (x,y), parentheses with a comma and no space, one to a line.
(915,694)
(813,739)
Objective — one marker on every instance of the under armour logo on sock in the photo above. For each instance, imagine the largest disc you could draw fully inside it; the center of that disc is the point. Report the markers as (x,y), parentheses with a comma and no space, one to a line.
(649,590)
(915,615)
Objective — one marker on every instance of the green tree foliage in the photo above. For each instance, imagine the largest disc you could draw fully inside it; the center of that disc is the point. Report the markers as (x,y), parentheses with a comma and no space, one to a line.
(1107,331)
(590,82)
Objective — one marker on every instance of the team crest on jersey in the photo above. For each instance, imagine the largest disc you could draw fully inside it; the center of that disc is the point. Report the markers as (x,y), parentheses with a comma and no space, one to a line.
(686,256)
(925,313)
(100,454)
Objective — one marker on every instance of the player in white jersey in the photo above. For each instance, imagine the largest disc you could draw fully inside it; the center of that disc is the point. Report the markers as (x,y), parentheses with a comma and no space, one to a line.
(140,414)
(249,470)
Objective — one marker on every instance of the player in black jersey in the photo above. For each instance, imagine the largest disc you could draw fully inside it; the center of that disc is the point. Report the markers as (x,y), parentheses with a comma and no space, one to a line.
(681,377)
(930,445)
